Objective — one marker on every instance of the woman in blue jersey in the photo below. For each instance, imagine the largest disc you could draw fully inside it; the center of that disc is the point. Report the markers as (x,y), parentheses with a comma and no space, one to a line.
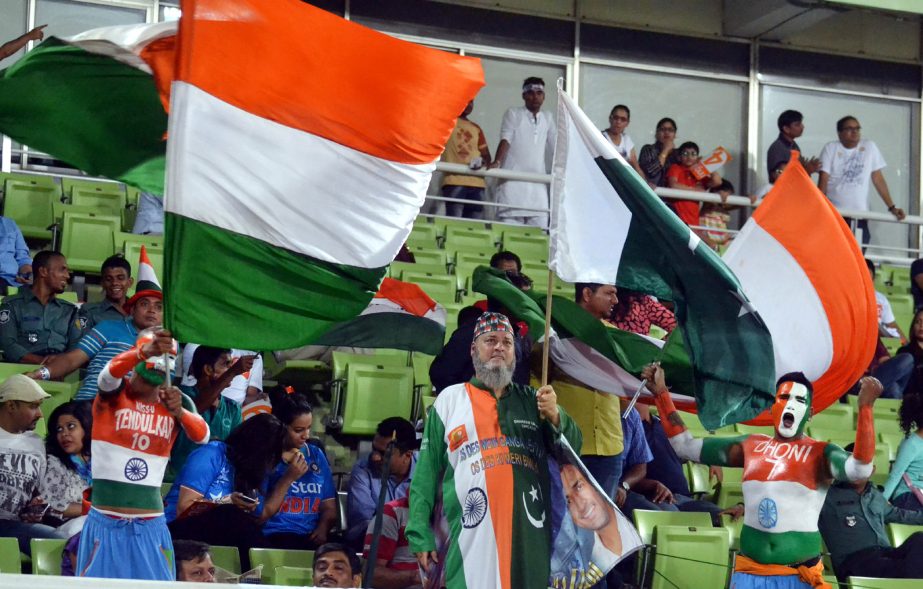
(303,516)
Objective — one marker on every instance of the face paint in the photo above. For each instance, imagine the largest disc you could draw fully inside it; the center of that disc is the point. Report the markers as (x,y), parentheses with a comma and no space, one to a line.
(790,412)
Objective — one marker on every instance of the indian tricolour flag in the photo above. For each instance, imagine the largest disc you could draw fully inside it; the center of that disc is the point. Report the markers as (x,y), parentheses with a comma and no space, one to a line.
(91,100)
(805,272)
(609,227)
(300,149)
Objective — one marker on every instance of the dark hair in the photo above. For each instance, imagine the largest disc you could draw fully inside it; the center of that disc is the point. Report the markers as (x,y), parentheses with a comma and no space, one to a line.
(913,339)
(83,412)
(289,407)
(842,122)
(405,437)
(666,120)
(116,261)
(253,449)
(533,80)
(911,413)
(578,289)
(354,562)
(43,258)
(622,308)
(205,356)
(871,266)
(505,256)
(725,185)
(688,145)
(468,315)
(620,106)
(788,117)
(186,550)
(798,377)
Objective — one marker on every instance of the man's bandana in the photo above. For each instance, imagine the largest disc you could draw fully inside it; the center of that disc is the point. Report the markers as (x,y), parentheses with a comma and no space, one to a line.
(533,87)
(492,322)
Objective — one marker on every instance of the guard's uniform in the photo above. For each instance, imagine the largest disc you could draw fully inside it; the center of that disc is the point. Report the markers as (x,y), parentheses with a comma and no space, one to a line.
(92,314)
(29,327)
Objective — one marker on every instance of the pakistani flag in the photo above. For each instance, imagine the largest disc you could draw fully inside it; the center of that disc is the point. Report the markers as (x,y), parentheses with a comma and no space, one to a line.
(609,227)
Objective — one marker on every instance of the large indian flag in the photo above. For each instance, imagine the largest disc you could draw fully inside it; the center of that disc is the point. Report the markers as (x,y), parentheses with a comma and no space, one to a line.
(301,146)
(803,269)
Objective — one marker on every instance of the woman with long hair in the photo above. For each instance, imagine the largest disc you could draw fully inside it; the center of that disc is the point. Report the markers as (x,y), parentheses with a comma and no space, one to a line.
(67,474)
(909,459)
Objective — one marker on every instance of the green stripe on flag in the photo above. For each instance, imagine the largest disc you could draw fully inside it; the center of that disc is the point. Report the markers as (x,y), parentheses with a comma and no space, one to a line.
(95,113)
(400,331)
(228,290)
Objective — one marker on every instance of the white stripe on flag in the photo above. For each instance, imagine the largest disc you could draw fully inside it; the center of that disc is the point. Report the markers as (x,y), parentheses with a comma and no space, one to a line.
(353,208)
(801,333)
(383,305)
(123,42)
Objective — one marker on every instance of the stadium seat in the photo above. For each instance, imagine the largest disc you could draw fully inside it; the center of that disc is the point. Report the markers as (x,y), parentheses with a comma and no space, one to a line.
(451,318)
(898,533)
(301,374)
(730,493)
(887,423)
(870,583)
(396,269)
(87,240)
(271,558)
(46,556)
(529,249)
(902,306)
(155,254)
(743,428)
(836,416)
(9,556)
(374,393)
(882,464)
(690,557)
(425,403)
(699,482)
(59,208)
(836,436)
(646,521)
(892,441)
(733,527)
(693,424)
(421,381)
(469,238)
(121,240)
(340,361)
(441,288)
(429,256)
(423,235)
(69,184)
(287,576)
(892,344)
(226,557)
(113,202)
(30,206)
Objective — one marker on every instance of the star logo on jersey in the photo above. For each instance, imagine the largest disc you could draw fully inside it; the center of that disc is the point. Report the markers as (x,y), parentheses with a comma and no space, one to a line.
(535,494)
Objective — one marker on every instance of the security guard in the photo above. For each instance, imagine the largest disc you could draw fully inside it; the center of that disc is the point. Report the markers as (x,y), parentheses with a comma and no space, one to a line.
(34,323)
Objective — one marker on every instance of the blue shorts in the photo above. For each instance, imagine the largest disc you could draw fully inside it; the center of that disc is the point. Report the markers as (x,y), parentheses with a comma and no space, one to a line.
(748,581)
(115,548)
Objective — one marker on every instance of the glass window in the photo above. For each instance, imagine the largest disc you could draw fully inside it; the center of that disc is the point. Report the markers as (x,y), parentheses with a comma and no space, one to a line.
(12,25)
(169,12)
(69,17)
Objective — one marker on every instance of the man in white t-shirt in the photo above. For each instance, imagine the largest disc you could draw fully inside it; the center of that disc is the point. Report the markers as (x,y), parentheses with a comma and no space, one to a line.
(848,166)
(244,389)
(22,462)
(526,145)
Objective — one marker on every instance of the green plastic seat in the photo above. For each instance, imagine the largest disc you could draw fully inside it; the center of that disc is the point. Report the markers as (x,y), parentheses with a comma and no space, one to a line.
(155,254)
(532,248)
(113,202)
(226,557)
(690,557)
(29,204)
(86,240)
(46,556)
(743,428)
(374,393)
(59,208)
(423,234)
(69,184)
(898,533)
(474,237)
(271,558)
(892,441)
(837,416)
(441,288)
(733,527)
(293,576)
(396,269)
(699,482)
(429,255)
(870,583)
(730,493)
(902,305)
(9,556)
(836,436)
(646,521)
(882,465)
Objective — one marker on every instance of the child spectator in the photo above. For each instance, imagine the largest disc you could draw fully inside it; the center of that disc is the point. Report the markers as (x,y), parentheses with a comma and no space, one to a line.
(680,176)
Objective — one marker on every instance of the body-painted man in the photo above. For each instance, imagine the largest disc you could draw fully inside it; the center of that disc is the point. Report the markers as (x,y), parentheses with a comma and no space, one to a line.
(135,415)
(785,479)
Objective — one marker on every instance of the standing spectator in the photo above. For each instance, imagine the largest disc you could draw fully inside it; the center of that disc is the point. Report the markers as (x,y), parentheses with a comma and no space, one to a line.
(467,145)
(135,422)
(485,446)
(22,461)
(395,566)
(116,282)
(680,176)
(526,145)
(656,158)
(909,459)
(791,126)
(365,478)
(637,312)
(11,47)
(308,509)
(846,168)
(15,263)
(619,119)
(35,325)
(193,562)
(336,565)
(68,474)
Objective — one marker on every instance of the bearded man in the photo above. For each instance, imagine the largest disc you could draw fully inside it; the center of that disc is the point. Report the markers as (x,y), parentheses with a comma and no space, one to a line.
(785,479)
(486,441)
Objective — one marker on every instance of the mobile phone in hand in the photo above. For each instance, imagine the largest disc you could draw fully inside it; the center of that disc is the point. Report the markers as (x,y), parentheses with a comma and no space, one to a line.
(247,499)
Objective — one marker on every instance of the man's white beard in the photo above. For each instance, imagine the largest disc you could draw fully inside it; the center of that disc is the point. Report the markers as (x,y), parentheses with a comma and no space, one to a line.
(496,379)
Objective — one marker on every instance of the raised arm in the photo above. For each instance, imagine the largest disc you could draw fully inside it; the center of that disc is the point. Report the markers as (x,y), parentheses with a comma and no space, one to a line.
(11,47)
(858,465)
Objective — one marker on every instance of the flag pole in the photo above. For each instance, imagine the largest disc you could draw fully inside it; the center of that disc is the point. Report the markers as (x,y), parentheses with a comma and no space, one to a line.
(546,343)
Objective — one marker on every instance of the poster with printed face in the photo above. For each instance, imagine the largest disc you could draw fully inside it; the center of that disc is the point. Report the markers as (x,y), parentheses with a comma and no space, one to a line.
(589,533)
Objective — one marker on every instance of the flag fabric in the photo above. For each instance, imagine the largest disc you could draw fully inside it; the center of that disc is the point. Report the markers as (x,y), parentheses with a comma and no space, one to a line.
(400,316)
(609,227)
(604,358)
(91,101)
(295,171)
(801,265)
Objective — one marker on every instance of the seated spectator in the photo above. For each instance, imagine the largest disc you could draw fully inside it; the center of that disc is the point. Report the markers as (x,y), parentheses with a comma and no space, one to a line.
(887,324)
(193,562)
(305,513)
(245,388)
(116,282)
(365,478)
(916,283)
(335,565)
(149,220)
(395,565)
(467,145)
(22,462)
(852,523)
(215,496)
(105,341)
(914,347)
(506,261)
(35,325)
(655,159)
(637,312)
(213,370)
(909,459)
(68,474)
(680,176)
(632,493)
(15,263)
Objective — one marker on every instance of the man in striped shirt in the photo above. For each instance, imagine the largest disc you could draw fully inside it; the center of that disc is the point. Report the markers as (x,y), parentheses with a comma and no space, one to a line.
(134,427)
(786,478)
